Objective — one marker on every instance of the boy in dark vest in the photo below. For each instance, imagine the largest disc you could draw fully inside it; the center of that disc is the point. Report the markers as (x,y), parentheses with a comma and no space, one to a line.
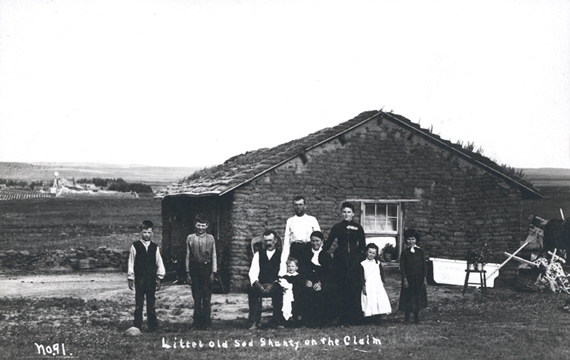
(263,277)
(145,271)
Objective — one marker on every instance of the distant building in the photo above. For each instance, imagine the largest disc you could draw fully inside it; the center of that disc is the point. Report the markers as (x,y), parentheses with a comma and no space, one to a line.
(397,174)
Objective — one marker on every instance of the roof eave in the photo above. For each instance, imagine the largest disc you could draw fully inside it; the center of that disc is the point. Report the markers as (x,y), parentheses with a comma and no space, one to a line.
(190,194)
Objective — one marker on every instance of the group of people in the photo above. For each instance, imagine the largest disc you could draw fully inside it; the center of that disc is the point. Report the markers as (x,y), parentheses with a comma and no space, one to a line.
(307,286)
(310,287)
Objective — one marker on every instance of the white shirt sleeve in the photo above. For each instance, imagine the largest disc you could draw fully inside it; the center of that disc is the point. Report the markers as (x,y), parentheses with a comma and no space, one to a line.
(286,247)
(283,263)
(214,257)
(316,226)
(160,271)
(131,266)
(254,269)
(287,237)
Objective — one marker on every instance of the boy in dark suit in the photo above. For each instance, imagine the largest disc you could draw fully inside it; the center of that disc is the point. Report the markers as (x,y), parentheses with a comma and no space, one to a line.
(145,270)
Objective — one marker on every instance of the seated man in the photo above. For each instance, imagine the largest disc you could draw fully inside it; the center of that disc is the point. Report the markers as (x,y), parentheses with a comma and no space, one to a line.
(263,277)
(315,267)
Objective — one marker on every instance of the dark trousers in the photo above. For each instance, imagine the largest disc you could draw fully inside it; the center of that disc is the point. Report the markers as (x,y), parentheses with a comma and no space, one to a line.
(181,272)
(201,293)
(297,249)
(145,286)
(255,304)
(317,305)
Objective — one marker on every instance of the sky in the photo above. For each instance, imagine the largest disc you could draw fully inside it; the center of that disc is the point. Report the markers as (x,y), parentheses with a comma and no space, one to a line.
(193,83)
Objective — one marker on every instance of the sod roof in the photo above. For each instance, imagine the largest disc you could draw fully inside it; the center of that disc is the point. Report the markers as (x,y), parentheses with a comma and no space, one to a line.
(242,169)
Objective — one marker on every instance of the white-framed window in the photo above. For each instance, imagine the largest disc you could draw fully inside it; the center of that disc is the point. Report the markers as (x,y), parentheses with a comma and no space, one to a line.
(382,224)
(383,221)
(380,218)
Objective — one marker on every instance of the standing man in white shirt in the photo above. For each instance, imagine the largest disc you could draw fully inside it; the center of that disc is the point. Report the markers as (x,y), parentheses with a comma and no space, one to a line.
(298,232)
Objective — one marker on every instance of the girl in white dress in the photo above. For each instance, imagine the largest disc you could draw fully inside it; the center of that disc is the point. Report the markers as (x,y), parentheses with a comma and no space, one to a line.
(374,299)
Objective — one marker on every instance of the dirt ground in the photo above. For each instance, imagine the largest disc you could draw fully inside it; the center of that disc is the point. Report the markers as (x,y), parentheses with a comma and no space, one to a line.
(174,302)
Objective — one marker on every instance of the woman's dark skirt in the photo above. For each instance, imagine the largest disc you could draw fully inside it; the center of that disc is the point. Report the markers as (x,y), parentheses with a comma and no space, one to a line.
(414,297)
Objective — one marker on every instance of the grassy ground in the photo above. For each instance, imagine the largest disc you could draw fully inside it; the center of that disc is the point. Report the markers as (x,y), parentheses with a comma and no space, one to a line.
(504,325)
(71,221)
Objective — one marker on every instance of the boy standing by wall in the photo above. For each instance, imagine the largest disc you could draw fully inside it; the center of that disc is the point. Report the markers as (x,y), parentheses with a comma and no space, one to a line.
(145,270)
(201,265)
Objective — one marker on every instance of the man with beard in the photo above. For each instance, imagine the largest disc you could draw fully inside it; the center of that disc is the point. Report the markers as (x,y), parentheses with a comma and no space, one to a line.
(263,277)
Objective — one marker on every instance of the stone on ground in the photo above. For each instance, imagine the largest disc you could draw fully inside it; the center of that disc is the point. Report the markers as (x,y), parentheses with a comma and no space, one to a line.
(132,331)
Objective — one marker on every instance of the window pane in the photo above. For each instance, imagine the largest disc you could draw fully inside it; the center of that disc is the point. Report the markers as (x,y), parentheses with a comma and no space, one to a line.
(380,218)
(392,210)
(392,224)
(369,223)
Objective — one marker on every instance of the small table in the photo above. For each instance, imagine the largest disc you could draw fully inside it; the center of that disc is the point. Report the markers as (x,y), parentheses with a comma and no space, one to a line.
(482,280)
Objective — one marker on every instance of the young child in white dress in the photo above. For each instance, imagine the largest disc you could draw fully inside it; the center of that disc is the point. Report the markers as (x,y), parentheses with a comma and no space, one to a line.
(374,300)
(291,284)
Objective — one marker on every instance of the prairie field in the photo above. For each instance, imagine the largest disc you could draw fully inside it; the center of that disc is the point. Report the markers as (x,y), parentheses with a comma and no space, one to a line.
(555,198)
(554,185)
(72,221)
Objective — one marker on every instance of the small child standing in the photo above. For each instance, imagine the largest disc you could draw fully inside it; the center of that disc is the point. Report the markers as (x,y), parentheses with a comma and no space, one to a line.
(413,296)
(145,270)
(374,300)
(292,284)
(201,265)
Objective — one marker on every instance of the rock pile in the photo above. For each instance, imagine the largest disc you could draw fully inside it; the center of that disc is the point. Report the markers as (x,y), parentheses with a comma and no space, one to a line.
(72,259)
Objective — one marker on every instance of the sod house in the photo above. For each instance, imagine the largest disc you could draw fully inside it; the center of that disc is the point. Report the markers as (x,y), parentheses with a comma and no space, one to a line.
(397,174)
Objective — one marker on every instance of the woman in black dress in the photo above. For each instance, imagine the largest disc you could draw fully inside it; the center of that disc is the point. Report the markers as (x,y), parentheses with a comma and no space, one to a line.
(346,265)
(413,296)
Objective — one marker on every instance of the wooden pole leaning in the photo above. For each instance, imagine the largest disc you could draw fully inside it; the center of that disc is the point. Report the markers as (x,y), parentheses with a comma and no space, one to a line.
(524,261)
(511,256)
